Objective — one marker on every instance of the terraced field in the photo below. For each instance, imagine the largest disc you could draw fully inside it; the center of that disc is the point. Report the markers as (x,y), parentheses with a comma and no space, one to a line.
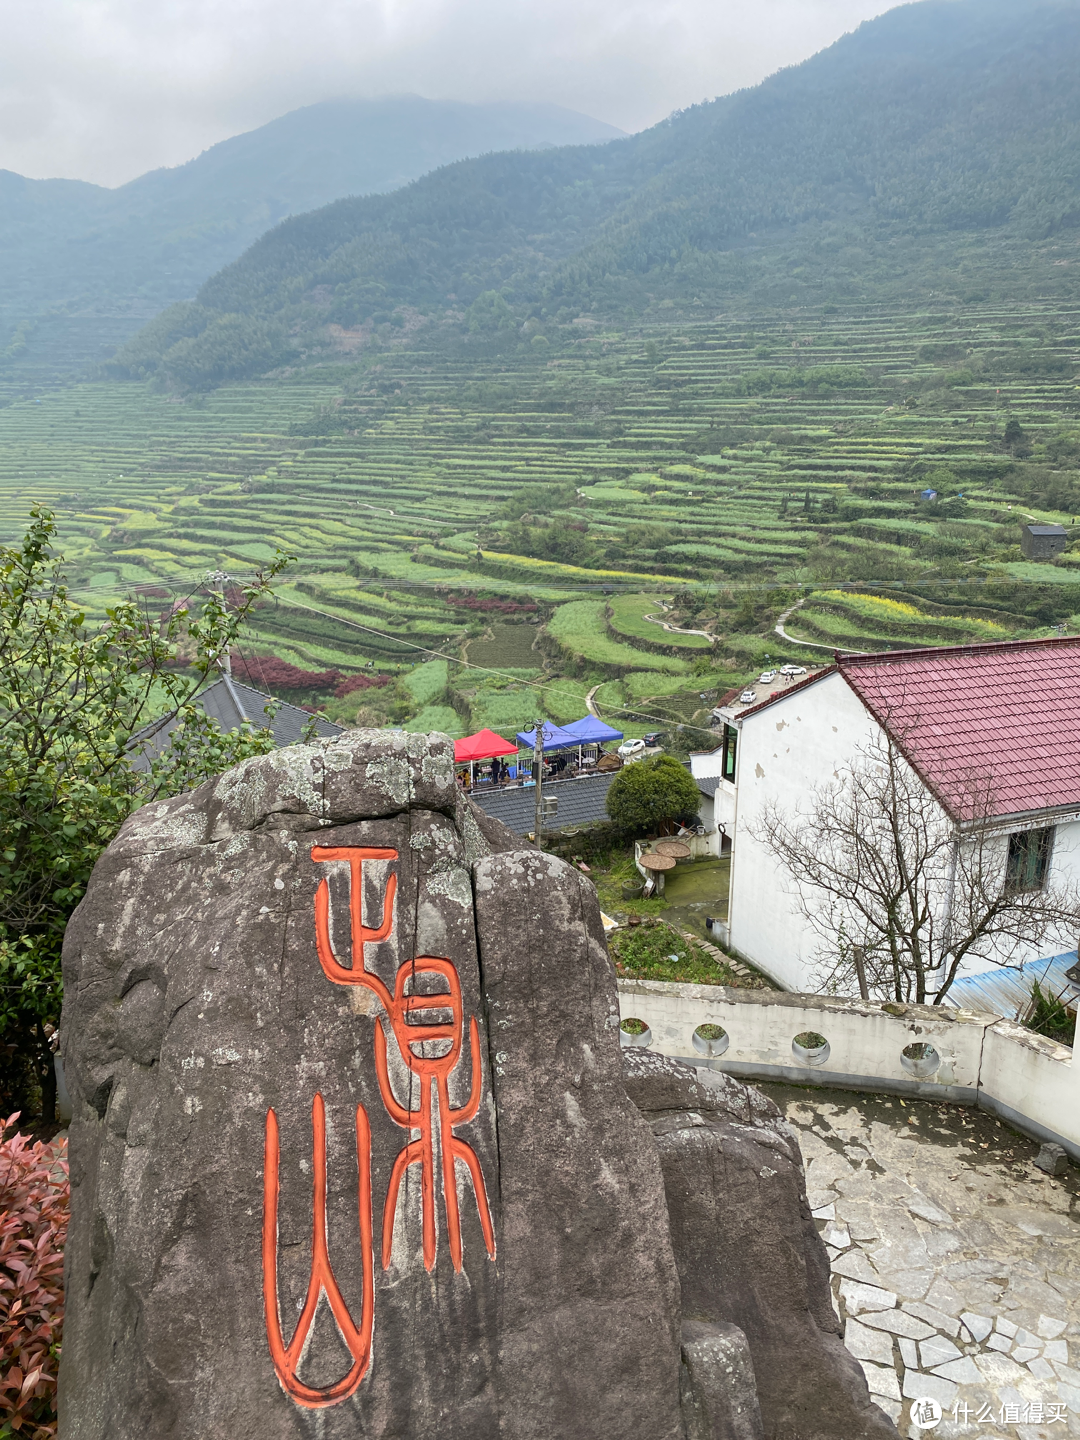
(533,520)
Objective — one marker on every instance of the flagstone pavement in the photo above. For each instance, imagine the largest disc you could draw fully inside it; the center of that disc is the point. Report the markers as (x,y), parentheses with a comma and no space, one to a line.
(956,1263)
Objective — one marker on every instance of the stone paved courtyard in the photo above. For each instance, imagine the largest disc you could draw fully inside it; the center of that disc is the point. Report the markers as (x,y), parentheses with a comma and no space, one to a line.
(956,1263)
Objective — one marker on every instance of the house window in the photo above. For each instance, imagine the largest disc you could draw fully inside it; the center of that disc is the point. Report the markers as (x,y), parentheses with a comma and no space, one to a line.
(729,747)
(1029,860)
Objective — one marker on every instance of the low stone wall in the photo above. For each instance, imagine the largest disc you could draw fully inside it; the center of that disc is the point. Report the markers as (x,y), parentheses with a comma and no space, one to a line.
(974,1060)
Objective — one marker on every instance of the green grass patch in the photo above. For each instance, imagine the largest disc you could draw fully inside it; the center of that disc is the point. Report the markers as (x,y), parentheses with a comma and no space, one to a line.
(505,710)
(427,682)
(564,698)
(642,683)
(579,629)
(627,618)
(654,951)
(436,717)
(505,647)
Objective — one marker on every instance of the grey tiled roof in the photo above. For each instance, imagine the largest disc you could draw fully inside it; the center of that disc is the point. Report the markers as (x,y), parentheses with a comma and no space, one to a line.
(708,784)
(230,703)
(581,802)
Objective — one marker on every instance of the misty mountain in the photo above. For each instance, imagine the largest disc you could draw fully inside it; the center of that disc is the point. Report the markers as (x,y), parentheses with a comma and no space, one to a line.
(944,135)
(68,246)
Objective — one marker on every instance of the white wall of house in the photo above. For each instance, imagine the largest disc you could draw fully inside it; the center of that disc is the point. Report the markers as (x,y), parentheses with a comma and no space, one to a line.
(725,807)
(707,815)
(799,742)
(704,764)
(1064,870)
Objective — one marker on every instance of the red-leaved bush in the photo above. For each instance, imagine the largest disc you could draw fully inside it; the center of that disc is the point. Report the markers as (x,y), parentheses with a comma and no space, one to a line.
(267,671)
(360,682)
(33,1226)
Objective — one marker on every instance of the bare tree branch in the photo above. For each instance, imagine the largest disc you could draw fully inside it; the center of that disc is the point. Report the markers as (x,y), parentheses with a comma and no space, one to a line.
(881,867)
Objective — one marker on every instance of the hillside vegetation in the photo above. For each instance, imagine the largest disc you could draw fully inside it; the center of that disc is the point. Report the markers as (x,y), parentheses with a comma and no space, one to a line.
(931,153)
(84,266)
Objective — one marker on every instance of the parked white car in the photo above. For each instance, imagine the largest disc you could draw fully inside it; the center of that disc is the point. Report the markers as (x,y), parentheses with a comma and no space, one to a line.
(632,750)
(747,697)
(767,677)
(790,671)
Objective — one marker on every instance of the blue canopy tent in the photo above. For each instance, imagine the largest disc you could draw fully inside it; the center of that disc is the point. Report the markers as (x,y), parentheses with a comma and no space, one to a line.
(591,731)
(555,738)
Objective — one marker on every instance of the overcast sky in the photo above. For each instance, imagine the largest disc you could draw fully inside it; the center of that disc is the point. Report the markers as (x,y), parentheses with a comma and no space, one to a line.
(103,90)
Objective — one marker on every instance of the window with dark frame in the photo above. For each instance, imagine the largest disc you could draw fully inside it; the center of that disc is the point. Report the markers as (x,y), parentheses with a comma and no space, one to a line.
(1029,860)
(730,746)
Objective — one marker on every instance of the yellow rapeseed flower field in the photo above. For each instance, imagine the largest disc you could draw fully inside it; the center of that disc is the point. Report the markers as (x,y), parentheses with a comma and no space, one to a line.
(878,605)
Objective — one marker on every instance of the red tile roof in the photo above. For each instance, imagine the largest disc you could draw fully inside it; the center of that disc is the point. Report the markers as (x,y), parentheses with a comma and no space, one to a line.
(1004,715)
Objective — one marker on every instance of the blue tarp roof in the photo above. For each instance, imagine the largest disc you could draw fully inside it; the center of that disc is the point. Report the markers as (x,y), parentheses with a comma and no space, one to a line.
(1006,990)
(592,730)
(555,738)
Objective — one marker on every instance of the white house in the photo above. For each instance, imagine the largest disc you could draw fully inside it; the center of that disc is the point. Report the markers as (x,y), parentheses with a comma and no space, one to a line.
(1008,712)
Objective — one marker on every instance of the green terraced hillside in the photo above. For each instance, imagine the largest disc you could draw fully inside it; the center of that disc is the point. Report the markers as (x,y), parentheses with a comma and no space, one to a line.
(523,532)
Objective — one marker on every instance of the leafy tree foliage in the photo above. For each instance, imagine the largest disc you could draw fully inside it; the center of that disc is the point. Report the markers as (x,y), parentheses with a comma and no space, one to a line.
(72,699)
(568,544)
(646,793)
(538,500)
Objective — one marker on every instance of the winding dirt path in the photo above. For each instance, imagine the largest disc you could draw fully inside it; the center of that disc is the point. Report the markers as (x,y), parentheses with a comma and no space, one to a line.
(675,630)
(778,629)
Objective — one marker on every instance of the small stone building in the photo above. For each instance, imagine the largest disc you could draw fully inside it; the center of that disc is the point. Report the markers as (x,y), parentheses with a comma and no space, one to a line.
(1043,542)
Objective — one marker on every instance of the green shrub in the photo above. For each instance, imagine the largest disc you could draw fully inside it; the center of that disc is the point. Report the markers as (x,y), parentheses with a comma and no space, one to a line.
(34,1201)
(649,792)
(1046,1015)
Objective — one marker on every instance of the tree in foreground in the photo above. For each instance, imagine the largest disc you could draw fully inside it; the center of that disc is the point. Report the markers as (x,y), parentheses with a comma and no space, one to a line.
(72,697)
(648,793)
(900,894)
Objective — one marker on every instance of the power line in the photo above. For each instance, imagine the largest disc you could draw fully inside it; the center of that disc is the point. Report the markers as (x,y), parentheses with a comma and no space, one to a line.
(655,582)
(623,710)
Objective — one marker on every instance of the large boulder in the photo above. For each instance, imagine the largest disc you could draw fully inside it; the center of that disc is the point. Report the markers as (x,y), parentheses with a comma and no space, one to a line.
(351,1154)
(354,1153)
(750,1258)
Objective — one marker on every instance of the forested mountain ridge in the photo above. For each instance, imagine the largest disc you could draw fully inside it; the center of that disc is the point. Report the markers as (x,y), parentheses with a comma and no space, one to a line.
(67,246)
(938,130)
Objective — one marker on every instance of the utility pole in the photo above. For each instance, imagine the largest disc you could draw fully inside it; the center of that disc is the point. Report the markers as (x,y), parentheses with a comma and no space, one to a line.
(538,772)
(224,659)
(858,954)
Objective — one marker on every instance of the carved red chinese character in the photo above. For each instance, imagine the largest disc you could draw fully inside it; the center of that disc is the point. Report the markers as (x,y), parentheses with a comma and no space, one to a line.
(416,1019)
(357,1338)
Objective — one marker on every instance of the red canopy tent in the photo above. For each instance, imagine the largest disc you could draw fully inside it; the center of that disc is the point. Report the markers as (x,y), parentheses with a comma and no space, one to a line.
(484,745)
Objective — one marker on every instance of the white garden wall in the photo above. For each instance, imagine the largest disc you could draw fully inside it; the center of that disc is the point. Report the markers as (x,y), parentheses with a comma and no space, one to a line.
(995,1064)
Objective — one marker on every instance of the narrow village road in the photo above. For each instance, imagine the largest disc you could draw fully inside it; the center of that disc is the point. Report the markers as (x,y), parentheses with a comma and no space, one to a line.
(778,629)
(675,630)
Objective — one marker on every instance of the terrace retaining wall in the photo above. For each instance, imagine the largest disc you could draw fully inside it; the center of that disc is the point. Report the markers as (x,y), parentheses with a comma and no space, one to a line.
(1030,1082)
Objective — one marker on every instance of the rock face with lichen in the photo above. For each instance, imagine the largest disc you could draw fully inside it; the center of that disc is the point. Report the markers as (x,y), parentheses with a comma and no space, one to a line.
(750,1258)
(290,982)
(353,1153)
